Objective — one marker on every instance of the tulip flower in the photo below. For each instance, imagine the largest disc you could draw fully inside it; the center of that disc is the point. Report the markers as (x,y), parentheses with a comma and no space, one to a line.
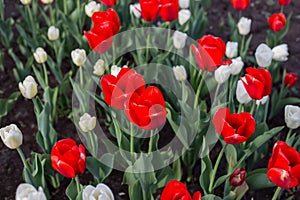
(87,122)
(236,65)
(263,100)
(231,49)
(222,74)
(183,16)
(284,2)
(28,88)
(244,26)
(240,4)
(25,2)
(292,116)
(290,79)
(177,190)
(101,191)
(99,68)
(92,7)
(46,1)
(67,158)
(179,39)
(241,93)
(11,136)
(284,166)
(78,57)
(277,21)
(25,191)
(235,128)
(264,55)
(180,73)
(108,2)
(40,55)
(258,82)
(184,4)
(280,53)
(53,33)
(238,177)
(135,10)
(115,70)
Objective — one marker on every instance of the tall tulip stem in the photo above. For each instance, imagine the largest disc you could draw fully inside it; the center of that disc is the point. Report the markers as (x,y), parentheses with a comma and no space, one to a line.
(150,142)
(131,139)
(253,107)
(23,158)
(275,196)
(77,184)
(45,73)
(289,135)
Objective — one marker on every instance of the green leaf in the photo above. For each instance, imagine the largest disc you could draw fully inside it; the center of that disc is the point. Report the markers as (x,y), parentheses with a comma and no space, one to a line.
(71,190)
(6,105)
(257,179)
(99,170)
(135,191)
(210,197)
(206,171)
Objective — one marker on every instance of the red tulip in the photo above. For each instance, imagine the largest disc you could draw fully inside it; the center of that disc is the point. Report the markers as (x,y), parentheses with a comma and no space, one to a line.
(238,177)
(67,158)
(109,2)
(210,52)
(106,24)
(284,166)
(258,82)
(284,2)
(235,128)
(118,89)
(290,79)
(240,4)
(176,190)
(277,21)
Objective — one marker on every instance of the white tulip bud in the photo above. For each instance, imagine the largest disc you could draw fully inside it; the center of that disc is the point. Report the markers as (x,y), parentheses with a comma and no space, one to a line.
(184,4)
(135,10)
(183,16)
(280,53)
(222,74)
(53,33)
(92,7)
(179,39)
(99,68)
(11,136)
(101,191)
(263,55)
(231,49)
(115,70)
(40,55)
(26,191)
(28,88)
(263,100)
(236,66)
(244,26)
(242,94)
(78,57)
(292,116)
(46,1)
(25,2)
(87,123)
(180,73)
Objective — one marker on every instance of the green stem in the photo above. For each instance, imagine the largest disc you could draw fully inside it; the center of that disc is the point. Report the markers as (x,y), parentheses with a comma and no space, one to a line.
(81,76)
(240,108)
(242,47)
(275,196)
(131,139)
(147,47)
(65,8)
(266,110)
(197,96)
(23,158)
(31,22)
(216,92)
(45,73)
(281,9)
(253,107)
(289,135)
(78,184)
(212,178)
(151,142)
(51,14)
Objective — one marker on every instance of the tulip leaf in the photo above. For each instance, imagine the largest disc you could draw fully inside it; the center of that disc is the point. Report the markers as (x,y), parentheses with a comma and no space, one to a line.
(135,191)
(71,190)
(99,168)
(210,197)
(6,105)
(206,171)
(257,179)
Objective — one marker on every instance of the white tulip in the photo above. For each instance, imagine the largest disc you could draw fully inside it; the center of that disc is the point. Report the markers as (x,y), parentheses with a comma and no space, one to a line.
(11,136)
(92,7)
(115,70)
(26,191)
(292,116)
(135,10)
(179,39)
(99,67)
(236,65)
(263,55)
(263,100)
(78,57)
(53,33)
(28,88)
(40,55)
(25,2)
(100,192)
(231,49)
(222,74)
(244,26)
(46,1)
(183,16)
(180,73)
(87,122)
(242,94)
(280,53)
(184,4)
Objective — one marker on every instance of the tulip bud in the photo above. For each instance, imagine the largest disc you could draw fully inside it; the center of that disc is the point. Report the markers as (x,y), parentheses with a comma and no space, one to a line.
(135,10)
(222,74)
(99,68)
(236,65)
(26,191)
(280,53)
(180,73)
(87,123)
(101,191)
(28,88)
(179,39)
(53,33)
(183,16)
(25,2)
(244,26)
(292,116)
(184,4)
(263,55)
(238,177)
(11,136)
(40,55)
(263,100)
(197,196)
(242,94)
(290,79)
(231,49)
(46,1)
(78,57)
(115,70)
(92,7)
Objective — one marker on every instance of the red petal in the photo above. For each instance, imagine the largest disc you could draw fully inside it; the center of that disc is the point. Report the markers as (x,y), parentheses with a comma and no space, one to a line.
(282,178)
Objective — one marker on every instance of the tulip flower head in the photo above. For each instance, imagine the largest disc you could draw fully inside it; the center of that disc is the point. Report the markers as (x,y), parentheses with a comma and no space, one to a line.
(11,136)
(40,55)
(231,49)
(53,33)
(241,93)
(28,88)
(135,9)
(277,21)
(101,191)
(292,116)
(92,7)
(264,55)
(184,4)
(280,53)
(78,57)
(108,2)
(180,73)
(46,1)
(25,2)
(240,4)
(244,26)
(290,79)
(284,2)
(99,68)
(177,190)
(26,191)
(183,16)
(238,177)
(179,39)
(222,74)
(87,122)
(236,65)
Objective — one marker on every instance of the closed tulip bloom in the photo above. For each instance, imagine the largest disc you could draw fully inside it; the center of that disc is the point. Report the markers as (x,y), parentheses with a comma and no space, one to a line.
(11,136)
(176,190)
(262,101)
(236,65)
(40,55)
(240,4)
(53,33)
(284,2)
(292,116)
(135,10)
(231,49)
(290,79)
(238,177)
(114,70)
(244,26)
(222,74)
(46,1)
(101,191)
(99,68)
(179,39)
(180,73)
(280,53)
(263,55)
(25,2)
(78,57)
(183,16)
(92,7)
(26,191)
(241,93)
(277,21)
(87,122)
(108,2)
(28,88)
(184,4)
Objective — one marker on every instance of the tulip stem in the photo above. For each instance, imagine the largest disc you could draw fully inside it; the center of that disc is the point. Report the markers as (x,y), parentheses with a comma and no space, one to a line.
(275,196)
(197,96)
(288,135)
(242,47)
(281,9)
(150,142)
(23,158)
(65,8)
(77,184)
(212,178)
(253,107)
(131,139)
(45,73)
(217,91)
